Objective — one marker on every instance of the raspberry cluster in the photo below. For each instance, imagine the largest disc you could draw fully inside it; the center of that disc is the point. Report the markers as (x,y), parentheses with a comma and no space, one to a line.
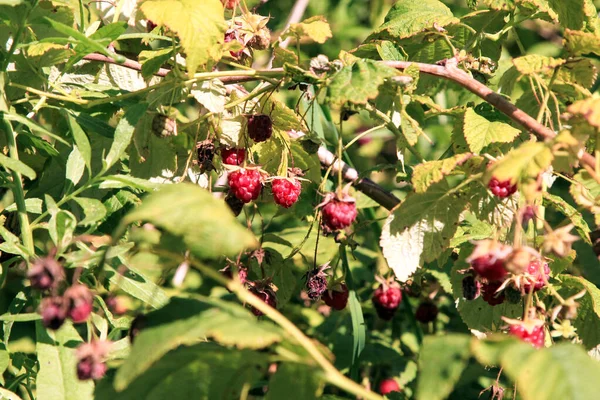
(387,299)
(336,298)
(337,213)
(245,184)
(501,189)
(265,292)
(286,191)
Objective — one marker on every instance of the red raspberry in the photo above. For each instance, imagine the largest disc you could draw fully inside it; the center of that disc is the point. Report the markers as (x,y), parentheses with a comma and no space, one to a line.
(387,299)
(260,127)
(533,334)
(426,312)
(336,299)
(233,156)
(338,214)
(388,385)
(528,214)
(245,184)
(45,273)
(471,287)
(540,274)
(501,189)
(286,191)
(265,294)
(53,312)
(79,301)
(489,295)
(230,4)
(489,267)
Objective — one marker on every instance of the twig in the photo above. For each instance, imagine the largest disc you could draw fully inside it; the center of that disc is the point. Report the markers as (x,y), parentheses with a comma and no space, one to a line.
(131,64)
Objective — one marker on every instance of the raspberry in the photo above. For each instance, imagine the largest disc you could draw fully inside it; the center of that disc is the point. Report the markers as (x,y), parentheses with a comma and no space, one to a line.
(90,359)
(513,296)
(233,156)
(206,153)
(260,127)
(242,273)
(386,300)
(234,204)
(539,273)
(79,303)
(336,299)
(489,295)
(45,273)
(489,267)
(388,385)
(230,4)
(53,312)
(426,312)
(163,126)
(316,283)
(471,288)
(150,26)
(286,191)
(267,295)
(338,214)
(530,333)
(501,189)
(116,305)
(231,35)
(245,184)
(528,214)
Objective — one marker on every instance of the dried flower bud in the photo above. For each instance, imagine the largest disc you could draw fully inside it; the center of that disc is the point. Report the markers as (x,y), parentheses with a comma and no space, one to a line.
(559,241)
(79,302)
(45,273)
(90,359)
(53,312)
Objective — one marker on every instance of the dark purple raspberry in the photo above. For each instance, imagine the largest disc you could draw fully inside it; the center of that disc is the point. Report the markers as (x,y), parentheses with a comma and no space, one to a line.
(206,153)
(90,360)
(336,298)
(138,323)
(501,189)
(426,312)
(513,296)
(387,299)
(267,295)
(316,283)
(230,36)
(45,273)
(286,191)
(245,184)
(471,287)
(489,295)
(489,268)
(260,127)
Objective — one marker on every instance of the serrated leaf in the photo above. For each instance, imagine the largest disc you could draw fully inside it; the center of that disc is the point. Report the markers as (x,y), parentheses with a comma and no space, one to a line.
(589,109)
(185,322)
(284,56)
(580,72)
(204,372)
(428,173)
(200,25)
(570,212)
(124,133)
(442,360)
(205,224)
(314,28)
(57,379)
(526,161)
(532,64)
(402,250)
(211,94)
(17,166)
(580,43)
(358,83)
(75,166)
(587,321)
(295,382)
(480,132)
(152,60)
(409,17)
(93,209)
(586,192)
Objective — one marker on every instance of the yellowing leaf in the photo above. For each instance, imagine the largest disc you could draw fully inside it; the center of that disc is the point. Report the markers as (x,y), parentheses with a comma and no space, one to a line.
(586,192)
(536,64)
(578,42)
(479,132)
(431,172)
(315,28)
(588,109)
(527,161)
(200,25)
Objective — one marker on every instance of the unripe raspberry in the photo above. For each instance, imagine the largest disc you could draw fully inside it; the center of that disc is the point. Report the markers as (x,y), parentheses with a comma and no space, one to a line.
(387,299)
(90,359)
(260,127)
(53,312)
(245,184)
(163,126)
(529,332)
(45,273)
(206,152)
(426,312)
(233,156)
(471,287)
(489,295)
(388,385)
(79,302)
(336,299)
(267,295)
(501,189)
(539,272)
(286,191)
(338,214)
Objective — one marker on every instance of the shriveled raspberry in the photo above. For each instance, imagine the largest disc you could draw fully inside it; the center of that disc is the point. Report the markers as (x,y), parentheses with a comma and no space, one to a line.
(471,287)
(388,385)
(531,331)
(539,272)
(245,184)
(90,359)
(489,295)
(206,152)
(45,273)
(163,126)
(387,299)
(286,191)
(338,214)
(336,298)
(266,294)
(426,312)
(501,189)
(53,312)
(79,302)
(233,156)
(235,204)
(260,127)
(316,282)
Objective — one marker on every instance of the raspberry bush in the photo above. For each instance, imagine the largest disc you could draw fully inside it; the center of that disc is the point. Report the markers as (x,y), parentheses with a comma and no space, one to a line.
(299,200)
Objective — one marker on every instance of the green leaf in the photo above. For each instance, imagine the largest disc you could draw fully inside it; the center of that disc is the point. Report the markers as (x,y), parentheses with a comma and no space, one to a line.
(295,382)
(359,333)
(441,360)
(33,206)
(57,379)
(75,166)
(93,209)
(587,321)
(124,133)
(428,173)
(533,64)
(479,132)
(61,227)
(358,83)
(17,166)
(33,127)
(8,395)
(586,192)
(81,140)
(282,274)
(580,43)
(126,181)
(527,161)
(204,372)
(200,26)
(570,212)
(4,363)
(408,17)
(152,60)
(185,322)
(314,28)
(206,225)
(136,284)
(20,317)
(211,94)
